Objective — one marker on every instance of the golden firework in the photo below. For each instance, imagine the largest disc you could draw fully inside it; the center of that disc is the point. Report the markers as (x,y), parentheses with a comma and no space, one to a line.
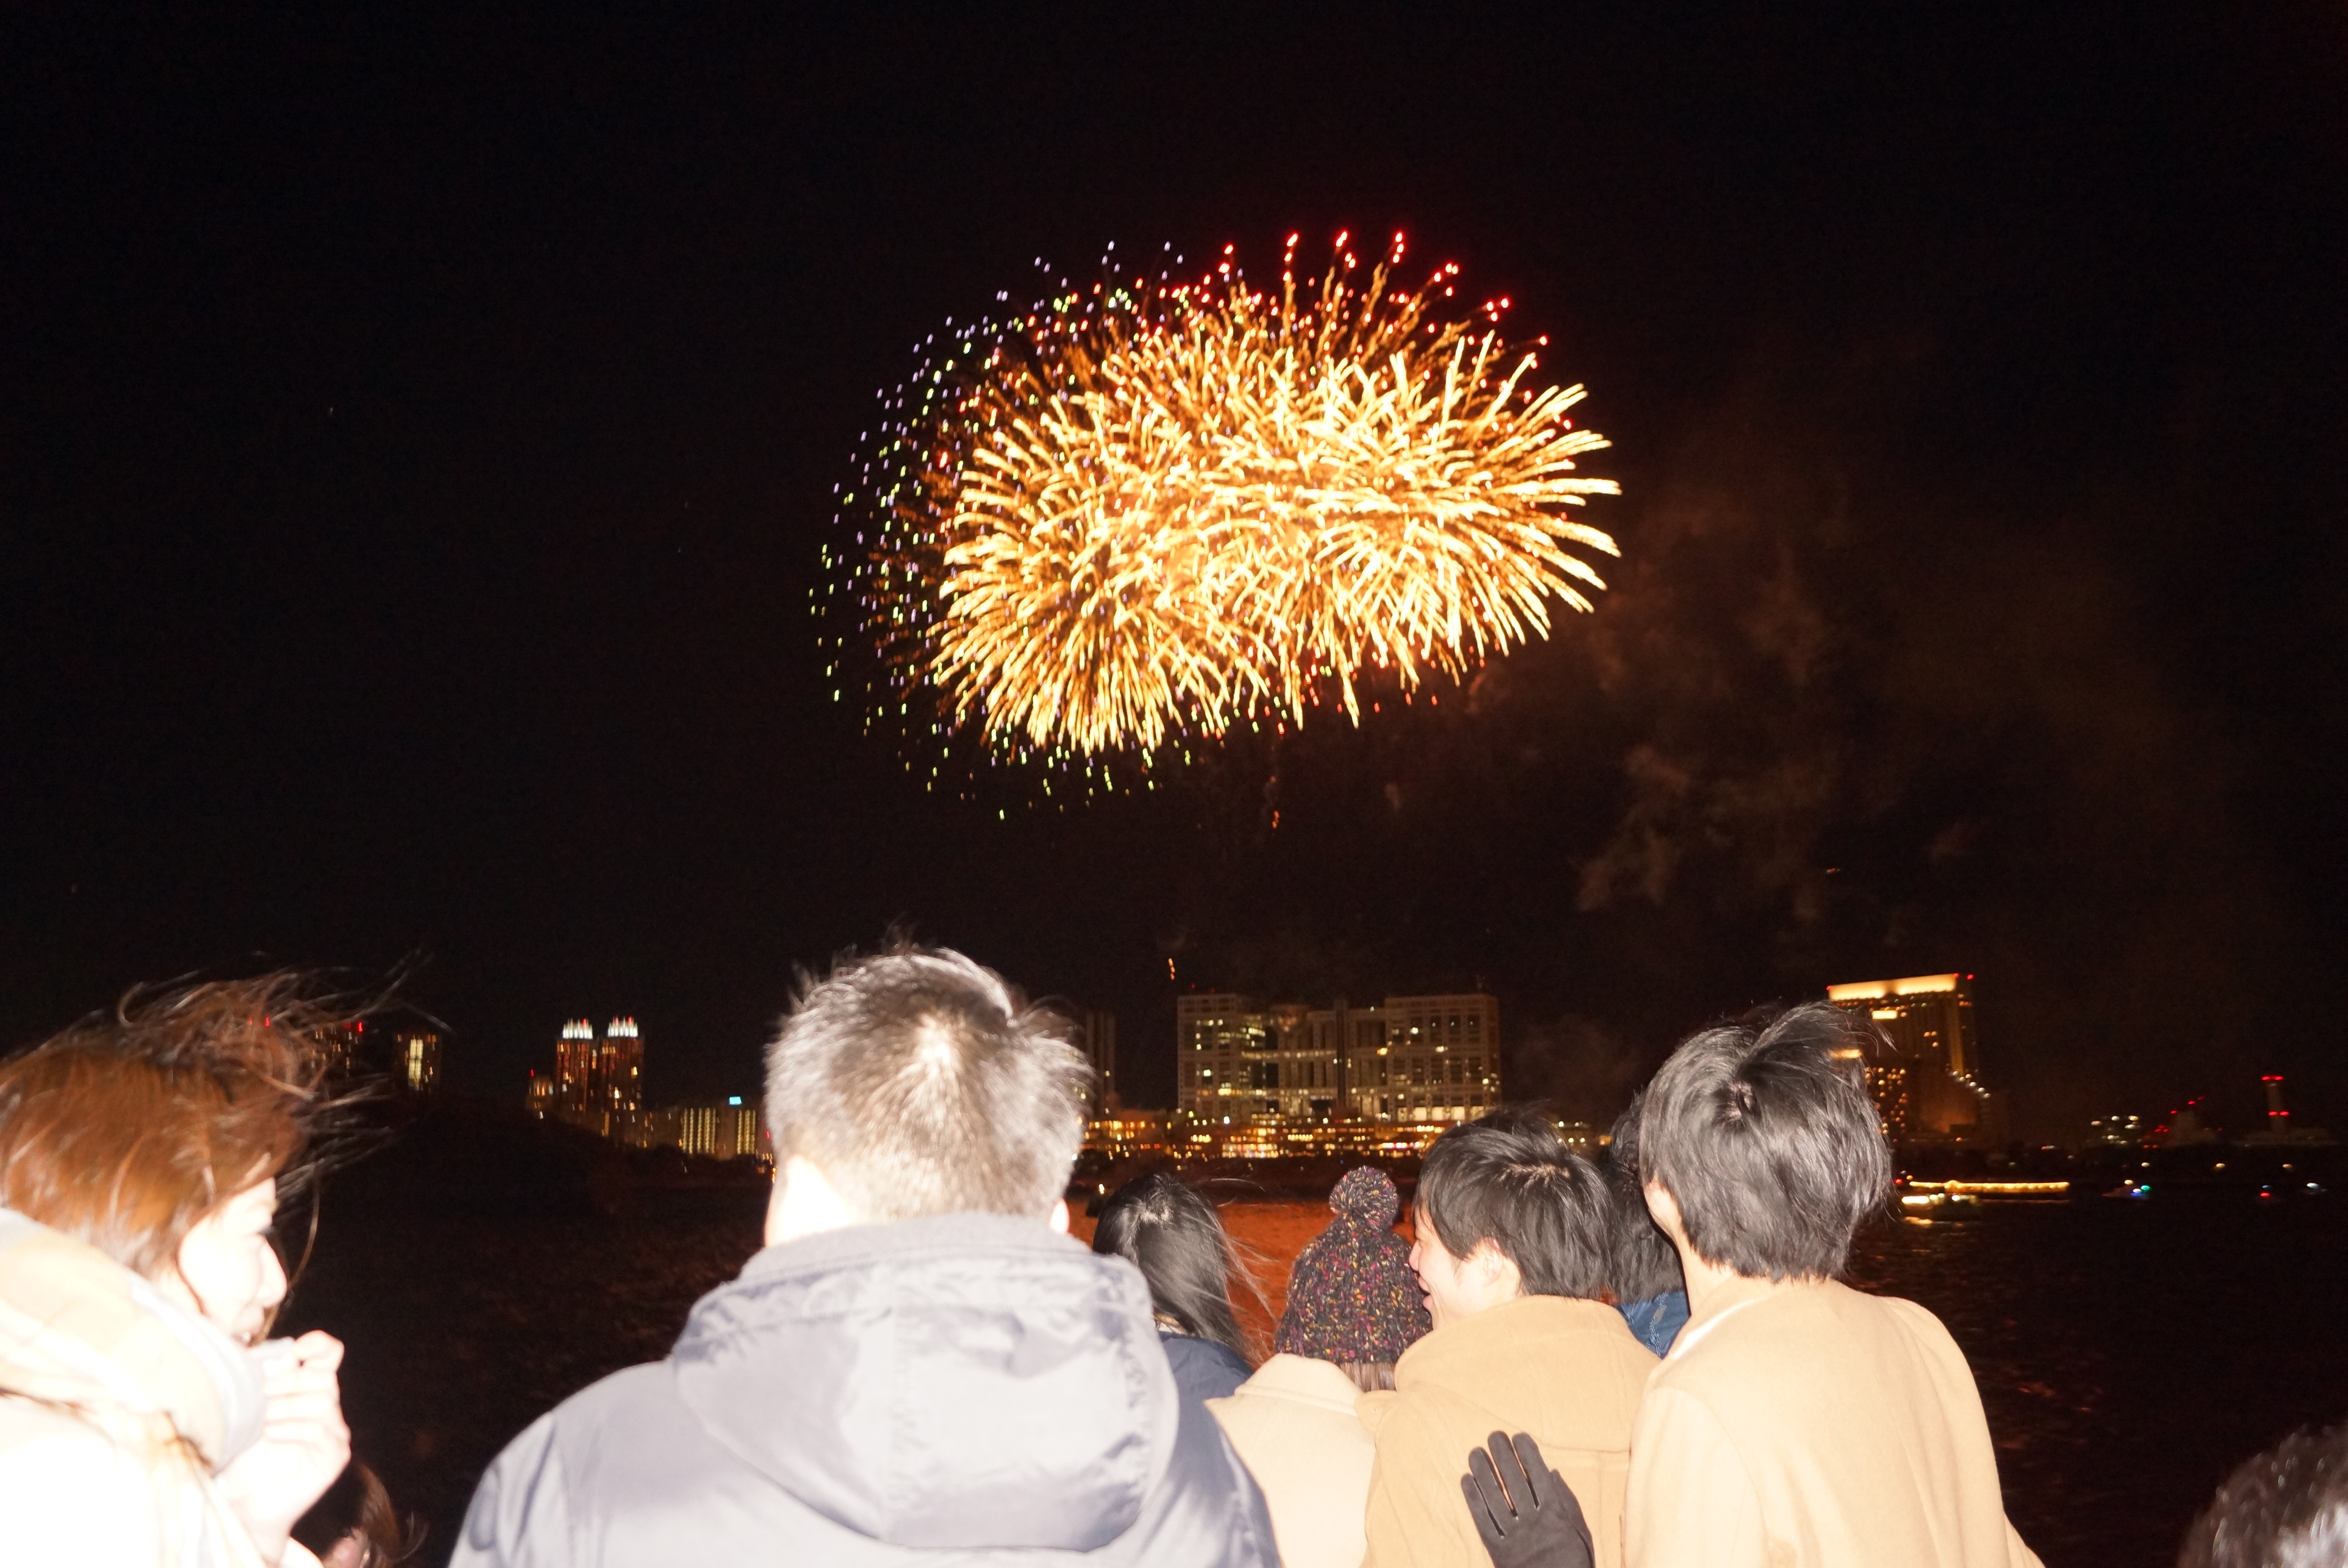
(1166,507)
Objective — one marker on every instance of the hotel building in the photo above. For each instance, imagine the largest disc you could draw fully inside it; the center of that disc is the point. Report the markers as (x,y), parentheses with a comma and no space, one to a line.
(1924,1068)
(595,1079)
(1419,1062)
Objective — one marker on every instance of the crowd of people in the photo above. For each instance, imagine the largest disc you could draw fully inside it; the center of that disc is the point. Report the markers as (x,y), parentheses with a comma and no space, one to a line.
(1647,1360)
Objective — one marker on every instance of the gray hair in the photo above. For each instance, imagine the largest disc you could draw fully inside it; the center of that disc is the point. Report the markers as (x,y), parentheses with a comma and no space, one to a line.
(920,1084)
(1768,1144)
(2286,1508)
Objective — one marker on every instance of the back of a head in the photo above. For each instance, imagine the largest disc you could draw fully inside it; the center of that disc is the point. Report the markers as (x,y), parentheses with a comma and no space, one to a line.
(1168,1231)
(1508,1178)
(1642,1263)
(129,1127)
(2287,1507)
(920,1084)
(1769,1142)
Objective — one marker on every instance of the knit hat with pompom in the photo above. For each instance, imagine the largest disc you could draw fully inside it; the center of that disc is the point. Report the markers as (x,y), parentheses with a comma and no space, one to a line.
(1352,1295)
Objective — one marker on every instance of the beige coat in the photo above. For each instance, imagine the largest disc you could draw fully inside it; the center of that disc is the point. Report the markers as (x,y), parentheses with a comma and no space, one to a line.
(1810,1426)
(1293,1425)
(1567,1372)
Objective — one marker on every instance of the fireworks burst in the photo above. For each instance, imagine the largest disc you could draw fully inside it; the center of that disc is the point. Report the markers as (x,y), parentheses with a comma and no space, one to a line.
(1163,507)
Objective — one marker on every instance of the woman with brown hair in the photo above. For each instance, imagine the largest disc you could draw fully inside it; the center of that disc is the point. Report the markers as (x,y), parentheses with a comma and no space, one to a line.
(142,1157)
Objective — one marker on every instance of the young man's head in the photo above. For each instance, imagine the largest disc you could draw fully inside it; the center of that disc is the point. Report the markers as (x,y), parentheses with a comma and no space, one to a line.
(2287,1507)
(1504,1209)
(916,1083)
(1764,1145)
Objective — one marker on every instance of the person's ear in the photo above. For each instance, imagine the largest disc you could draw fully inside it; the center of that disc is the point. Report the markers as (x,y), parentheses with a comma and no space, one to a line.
(1059,1218)
(1496,1270)
(1664,1209)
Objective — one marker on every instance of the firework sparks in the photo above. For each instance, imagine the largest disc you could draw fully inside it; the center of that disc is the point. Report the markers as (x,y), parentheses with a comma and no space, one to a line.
(1164,506)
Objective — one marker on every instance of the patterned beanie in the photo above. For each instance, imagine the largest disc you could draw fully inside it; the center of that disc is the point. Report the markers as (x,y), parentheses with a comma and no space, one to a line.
(1352,1297)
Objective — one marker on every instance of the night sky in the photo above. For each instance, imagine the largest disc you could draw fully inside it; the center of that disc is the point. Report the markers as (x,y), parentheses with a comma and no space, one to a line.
(417,431)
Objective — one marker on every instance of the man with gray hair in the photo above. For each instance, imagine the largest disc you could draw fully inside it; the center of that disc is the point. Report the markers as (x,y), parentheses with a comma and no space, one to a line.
(919,1363)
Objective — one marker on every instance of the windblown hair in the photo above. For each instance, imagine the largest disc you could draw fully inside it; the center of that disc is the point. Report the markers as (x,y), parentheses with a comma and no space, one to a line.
(2287,1508)
(920,1084)
(1642,1263)
(129,1127)
(356,1504)
(1507,1178)
(1168,1231)
(1769,1142)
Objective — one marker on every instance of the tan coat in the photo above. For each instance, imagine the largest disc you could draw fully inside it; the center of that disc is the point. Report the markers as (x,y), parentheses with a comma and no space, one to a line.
(1811,1426)
(1294,1426)
(1567,1372)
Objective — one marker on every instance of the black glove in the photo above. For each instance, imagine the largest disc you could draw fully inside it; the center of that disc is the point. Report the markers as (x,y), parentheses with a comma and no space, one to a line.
(1526,1513)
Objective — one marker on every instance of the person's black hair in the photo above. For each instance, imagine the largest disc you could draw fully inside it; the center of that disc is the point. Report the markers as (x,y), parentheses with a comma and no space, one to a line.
(1165,1228)
(1769,1142)
(1507,1178)
(1642,1263)
(2287,1508)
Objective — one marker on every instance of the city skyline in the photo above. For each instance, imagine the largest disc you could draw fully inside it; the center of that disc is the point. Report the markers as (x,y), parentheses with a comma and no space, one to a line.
(419,482)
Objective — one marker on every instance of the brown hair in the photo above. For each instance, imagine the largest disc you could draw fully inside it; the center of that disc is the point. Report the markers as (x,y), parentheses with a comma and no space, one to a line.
(129,1127)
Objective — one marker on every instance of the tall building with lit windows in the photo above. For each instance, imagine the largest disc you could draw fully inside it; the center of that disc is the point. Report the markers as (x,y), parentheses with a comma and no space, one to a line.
(594,1077)
(1414,1061)
(416,1062)
(1925,1068)
(1100,1049)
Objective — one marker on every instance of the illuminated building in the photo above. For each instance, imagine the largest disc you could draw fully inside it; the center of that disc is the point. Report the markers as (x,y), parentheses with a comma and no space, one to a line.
(2279,1132)
(595,1079)
(1924,1069)
(1100,1049)
(416,1062)
(1418,1061)
(338,1044)
(2116,1131)
(1440,1060)
(730,1130)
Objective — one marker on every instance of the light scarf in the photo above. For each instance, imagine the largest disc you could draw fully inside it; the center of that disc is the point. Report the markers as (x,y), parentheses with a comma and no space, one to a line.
(178,1398)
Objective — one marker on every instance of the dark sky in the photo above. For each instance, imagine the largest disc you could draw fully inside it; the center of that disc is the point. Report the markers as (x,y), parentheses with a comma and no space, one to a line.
(417,432)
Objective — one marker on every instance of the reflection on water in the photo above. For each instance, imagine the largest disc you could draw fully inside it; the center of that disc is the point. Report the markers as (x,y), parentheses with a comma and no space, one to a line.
(2128,1354)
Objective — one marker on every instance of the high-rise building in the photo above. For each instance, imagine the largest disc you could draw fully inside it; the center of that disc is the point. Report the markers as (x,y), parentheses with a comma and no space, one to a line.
(575,1067)
(1100,1049)
(416,1062)
(1924,1070)
(1218,1036)
(593,1077)
(1412,1059)
(621,1064)
(1440,1062)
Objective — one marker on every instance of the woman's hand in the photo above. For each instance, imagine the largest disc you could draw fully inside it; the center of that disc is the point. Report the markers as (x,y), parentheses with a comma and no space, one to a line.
(304,1445)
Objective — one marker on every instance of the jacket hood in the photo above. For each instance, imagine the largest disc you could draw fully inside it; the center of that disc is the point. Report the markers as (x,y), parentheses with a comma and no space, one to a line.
(79,1330)
(966,1382)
